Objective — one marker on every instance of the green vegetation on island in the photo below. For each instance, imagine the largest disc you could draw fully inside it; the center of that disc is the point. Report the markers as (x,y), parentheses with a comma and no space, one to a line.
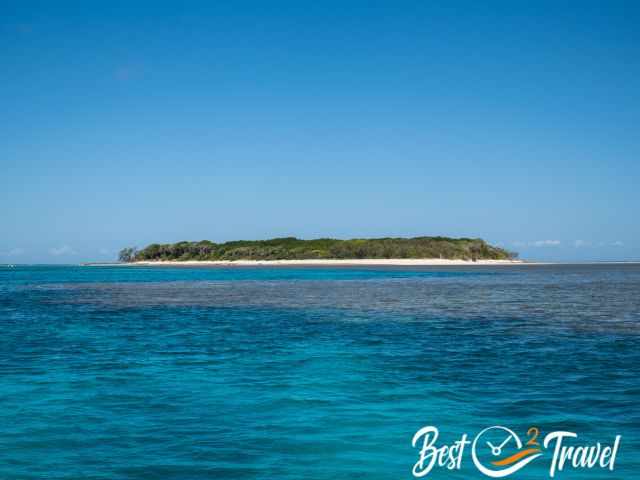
(291,248)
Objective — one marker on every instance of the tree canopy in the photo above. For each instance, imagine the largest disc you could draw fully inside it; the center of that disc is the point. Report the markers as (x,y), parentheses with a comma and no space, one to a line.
(291,248)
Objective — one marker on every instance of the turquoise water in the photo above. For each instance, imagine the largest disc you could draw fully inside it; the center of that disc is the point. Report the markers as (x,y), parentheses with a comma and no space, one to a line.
(295,373)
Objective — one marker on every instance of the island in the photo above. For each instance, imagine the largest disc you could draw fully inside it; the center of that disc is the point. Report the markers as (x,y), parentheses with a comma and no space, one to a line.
(292,250)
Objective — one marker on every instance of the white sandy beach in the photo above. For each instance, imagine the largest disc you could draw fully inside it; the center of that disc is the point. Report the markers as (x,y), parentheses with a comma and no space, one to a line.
(332,262)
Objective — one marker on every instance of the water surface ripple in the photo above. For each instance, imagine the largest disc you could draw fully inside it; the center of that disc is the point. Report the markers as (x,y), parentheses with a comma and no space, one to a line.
(183,373)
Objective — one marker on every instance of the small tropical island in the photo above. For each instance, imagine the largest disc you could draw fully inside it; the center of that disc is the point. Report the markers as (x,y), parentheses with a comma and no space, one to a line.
(292,250)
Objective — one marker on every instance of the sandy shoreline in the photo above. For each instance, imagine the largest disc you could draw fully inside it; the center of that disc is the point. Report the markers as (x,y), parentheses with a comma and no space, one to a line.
(329,262)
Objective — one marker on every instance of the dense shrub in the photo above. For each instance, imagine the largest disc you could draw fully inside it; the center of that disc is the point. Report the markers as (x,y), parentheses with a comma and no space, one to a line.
(293,248)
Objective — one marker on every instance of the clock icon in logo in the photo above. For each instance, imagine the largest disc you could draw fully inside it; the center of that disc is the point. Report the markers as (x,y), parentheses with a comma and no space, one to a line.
(498,451)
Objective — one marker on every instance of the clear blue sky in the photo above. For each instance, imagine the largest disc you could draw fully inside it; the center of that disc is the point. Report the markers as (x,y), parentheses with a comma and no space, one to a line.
(156,121)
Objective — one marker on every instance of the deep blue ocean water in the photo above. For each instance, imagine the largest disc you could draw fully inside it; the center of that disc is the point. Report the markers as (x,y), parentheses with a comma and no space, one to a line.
(309,373)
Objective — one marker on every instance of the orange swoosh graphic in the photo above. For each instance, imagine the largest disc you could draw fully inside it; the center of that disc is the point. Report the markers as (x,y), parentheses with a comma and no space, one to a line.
(515,457)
